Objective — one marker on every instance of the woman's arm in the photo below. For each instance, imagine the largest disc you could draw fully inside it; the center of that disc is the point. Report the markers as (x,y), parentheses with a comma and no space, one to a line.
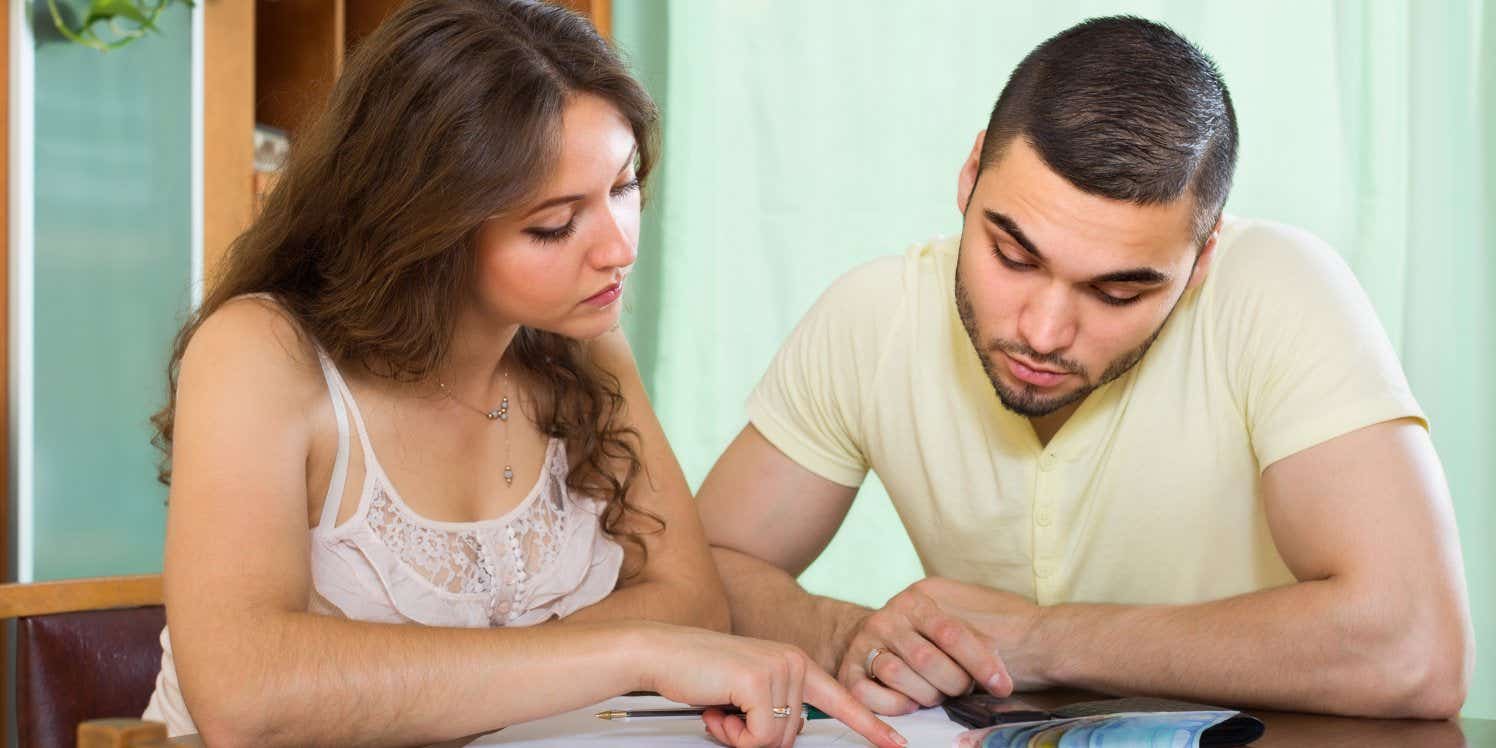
(678,583)
(255,667)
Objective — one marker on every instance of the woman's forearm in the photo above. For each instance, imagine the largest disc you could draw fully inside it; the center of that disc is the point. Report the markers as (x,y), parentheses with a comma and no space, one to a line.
(304,679)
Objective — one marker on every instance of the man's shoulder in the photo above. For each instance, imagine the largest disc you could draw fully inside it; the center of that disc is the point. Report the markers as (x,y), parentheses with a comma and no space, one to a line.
(1254,250)
(1266,271)
(881,287)
(932,261)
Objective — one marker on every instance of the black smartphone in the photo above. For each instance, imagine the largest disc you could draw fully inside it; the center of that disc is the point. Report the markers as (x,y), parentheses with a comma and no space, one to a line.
(985,710)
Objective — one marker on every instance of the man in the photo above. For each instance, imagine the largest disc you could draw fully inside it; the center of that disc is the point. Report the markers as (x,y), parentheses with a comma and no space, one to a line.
(1139,447)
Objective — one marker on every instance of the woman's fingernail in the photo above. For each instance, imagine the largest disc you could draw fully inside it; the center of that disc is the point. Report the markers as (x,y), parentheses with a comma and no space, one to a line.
(897,738)
(995,682)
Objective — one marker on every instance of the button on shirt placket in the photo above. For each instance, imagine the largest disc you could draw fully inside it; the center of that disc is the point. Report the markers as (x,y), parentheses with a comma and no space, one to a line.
(1046,538)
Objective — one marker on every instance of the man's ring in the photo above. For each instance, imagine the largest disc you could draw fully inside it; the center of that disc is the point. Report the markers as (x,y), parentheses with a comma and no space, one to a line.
(781,712)
(867,664)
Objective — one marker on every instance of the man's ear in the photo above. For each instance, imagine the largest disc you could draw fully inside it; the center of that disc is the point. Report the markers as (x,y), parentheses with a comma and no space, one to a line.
(967,180)
(1207,253)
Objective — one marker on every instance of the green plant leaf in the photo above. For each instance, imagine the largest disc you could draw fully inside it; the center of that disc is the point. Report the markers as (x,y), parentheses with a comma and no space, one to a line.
(108,10)
(142,13)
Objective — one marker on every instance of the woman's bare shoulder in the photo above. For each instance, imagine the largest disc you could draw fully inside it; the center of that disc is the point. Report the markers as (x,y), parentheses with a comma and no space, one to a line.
(253,342)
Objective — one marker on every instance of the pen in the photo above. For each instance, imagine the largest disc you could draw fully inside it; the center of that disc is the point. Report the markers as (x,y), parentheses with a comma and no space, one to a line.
(807,711)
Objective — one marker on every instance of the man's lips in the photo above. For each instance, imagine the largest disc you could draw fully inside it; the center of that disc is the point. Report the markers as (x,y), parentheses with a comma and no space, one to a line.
(1034,375)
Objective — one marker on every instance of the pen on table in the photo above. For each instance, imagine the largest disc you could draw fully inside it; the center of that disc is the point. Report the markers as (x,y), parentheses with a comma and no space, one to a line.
(807,711)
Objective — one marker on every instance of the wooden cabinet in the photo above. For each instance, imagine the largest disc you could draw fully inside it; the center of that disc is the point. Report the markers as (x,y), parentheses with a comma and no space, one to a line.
(274,62)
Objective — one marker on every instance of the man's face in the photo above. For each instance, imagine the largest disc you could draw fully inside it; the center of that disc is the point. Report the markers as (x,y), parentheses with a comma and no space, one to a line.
(1062,291)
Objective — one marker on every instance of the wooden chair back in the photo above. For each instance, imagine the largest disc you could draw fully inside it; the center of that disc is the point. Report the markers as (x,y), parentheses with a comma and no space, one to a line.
(86,649)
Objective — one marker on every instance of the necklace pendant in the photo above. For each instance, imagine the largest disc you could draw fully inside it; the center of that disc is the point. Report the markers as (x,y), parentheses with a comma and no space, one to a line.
(508,475)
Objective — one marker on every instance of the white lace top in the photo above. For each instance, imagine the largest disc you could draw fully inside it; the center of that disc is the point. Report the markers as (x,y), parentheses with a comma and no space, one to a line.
(545,558)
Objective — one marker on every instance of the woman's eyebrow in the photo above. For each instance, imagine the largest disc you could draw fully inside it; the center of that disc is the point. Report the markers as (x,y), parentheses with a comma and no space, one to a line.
(564,199)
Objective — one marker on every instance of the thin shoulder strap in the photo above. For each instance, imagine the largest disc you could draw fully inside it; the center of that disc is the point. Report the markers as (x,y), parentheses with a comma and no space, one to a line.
(342,403)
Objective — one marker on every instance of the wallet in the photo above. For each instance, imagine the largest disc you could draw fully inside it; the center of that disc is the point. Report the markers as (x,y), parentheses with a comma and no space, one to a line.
(980,710)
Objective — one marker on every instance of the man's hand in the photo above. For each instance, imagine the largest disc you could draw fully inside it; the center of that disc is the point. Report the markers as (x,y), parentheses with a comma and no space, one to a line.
(933,642)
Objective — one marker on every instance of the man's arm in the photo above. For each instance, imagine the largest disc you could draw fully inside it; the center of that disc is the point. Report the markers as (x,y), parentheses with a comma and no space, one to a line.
(1377,625)
(766,519)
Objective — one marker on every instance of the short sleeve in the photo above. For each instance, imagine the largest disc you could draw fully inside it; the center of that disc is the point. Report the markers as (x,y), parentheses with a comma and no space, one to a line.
(811,403)
(1305,354)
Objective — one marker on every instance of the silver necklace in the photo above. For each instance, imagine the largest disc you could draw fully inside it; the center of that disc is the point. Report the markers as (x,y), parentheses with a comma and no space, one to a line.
(501,413)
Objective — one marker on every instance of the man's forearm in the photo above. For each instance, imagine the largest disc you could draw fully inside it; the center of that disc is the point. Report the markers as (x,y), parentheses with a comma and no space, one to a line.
(1310,646)
(768,603)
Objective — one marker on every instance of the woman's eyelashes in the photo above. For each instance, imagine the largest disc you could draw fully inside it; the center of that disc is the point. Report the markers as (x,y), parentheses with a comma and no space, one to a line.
(625,188)
(564,232)
(558,234)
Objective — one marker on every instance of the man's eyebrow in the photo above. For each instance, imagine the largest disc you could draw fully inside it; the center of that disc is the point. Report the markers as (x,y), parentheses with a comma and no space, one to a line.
(1144,276)
(1007,224)
(564,199)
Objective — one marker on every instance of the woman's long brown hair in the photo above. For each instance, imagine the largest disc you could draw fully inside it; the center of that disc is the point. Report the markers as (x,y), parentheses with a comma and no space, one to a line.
(446,115)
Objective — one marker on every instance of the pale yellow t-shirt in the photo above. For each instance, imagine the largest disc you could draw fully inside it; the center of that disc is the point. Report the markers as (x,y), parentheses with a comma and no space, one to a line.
(1150,493)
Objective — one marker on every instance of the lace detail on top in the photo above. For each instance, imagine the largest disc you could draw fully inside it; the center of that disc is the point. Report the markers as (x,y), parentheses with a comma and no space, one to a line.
(493,560)
(545,558)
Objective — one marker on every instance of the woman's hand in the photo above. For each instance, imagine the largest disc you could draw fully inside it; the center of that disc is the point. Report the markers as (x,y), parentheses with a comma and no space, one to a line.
(695,666)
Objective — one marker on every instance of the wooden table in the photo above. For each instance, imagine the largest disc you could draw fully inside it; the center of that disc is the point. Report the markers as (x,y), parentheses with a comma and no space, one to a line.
(1291,729)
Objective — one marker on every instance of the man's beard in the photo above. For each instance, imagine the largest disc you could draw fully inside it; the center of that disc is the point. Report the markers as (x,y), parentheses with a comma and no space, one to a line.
(1027,401)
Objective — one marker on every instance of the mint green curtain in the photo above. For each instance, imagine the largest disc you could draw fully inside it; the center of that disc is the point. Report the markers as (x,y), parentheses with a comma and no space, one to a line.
(802,138)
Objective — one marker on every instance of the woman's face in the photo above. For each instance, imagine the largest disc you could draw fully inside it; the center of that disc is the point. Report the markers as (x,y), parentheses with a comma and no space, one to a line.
(559,263)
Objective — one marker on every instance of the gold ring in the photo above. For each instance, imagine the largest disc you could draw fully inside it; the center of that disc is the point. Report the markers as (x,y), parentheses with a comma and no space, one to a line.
(781,712)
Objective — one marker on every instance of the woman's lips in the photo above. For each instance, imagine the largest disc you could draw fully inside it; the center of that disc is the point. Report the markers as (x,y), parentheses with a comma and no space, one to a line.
(606,296)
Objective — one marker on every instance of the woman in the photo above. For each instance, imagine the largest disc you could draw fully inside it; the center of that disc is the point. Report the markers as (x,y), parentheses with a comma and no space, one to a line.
(405,435)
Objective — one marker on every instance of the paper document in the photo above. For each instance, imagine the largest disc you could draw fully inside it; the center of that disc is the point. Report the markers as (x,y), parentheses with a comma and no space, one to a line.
(927,727)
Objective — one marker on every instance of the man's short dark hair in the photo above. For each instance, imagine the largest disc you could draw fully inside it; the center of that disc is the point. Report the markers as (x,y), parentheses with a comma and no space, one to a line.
(1124,108)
